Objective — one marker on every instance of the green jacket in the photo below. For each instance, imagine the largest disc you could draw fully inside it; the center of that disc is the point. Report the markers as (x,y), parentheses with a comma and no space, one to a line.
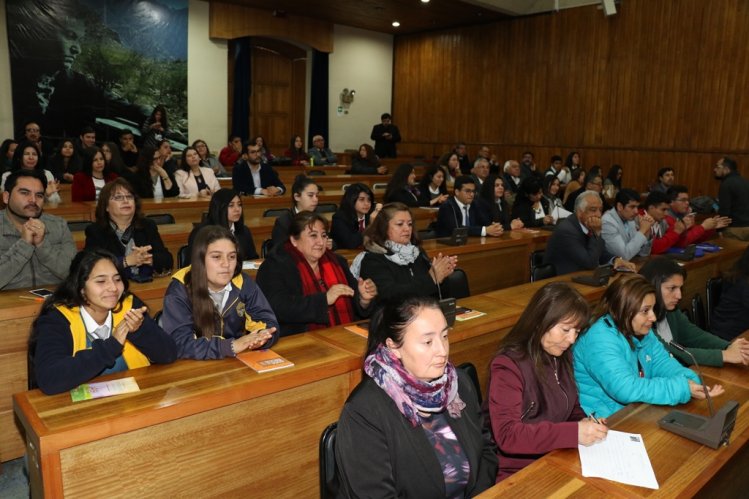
(706,347)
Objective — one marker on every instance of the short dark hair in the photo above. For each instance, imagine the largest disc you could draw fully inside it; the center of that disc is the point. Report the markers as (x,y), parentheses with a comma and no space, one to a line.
(12,179)
(555,158)
(655,198)
(622,301)
(463,180)
(664,171)
(528,152)
(125,131)
(305,219)
(624,196)
(729,163)
(87,129)
(674,191)
(385,116)
(232,137)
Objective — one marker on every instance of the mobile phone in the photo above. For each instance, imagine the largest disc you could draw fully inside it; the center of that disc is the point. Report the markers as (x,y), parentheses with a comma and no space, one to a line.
(41,292)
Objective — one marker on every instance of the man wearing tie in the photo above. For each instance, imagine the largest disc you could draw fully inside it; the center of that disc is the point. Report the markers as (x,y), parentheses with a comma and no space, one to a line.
(625,233)
(461,211)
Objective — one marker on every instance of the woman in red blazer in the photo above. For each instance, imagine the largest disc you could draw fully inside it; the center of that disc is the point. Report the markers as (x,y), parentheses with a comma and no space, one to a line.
(94,174)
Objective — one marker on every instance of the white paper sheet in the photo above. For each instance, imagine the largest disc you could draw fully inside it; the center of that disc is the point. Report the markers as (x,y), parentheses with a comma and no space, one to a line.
(622,457)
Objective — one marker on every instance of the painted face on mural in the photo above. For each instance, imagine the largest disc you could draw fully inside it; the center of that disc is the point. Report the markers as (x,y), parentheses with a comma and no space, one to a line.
(69,37)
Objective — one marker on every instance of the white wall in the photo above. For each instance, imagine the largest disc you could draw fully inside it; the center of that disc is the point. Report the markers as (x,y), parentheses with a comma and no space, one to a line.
(207,94)
(6,101)
(361,60)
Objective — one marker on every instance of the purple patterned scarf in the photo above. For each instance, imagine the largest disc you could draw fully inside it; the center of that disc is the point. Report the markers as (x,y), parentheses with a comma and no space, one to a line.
(410,394)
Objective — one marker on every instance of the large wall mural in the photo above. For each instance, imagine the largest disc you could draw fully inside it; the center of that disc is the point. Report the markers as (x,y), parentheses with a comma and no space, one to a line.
(105,63)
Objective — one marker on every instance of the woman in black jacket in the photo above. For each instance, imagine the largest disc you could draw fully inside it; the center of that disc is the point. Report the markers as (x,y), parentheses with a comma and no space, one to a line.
(355,213)
(530,204)
(226,210)
(121,229)
(151,179)
(402,187)
(492,200)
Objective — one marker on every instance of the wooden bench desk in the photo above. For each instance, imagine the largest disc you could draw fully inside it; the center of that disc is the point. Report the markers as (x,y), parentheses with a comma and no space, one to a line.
(191,423)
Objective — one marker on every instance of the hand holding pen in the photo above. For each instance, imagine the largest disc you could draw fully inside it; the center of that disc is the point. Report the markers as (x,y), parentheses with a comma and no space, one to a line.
(591,430)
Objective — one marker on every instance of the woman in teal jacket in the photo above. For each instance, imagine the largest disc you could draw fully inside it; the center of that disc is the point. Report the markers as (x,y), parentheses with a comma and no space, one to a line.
(619,360)
(668,278)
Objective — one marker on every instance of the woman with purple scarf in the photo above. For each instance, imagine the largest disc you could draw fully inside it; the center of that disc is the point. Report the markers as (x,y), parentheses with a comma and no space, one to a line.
(413,426)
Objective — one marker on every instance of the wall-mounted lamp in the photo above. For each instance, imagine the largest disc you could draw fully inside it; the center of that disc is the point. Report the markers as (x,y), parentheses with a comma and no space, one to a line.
(347,97)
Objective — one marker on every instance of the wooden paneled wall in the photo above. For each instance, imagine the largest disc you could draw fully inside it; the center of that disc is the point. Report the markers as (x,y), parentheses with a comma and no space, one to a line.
(661,83)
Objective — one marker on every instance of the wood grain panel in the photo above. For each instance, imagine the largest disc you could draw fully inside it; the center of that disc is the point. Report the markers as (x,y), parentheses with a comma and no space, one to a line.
(661,83)
(276,465)
(228,21)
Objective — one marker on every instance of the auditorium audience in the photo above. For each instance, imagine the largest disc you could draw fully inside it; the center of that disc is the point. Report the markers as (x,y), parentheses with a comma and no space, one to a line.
(733,198)
(6,154)
(26,157)
(251,178)
(35,248)
(577,179)
(208,160)
(366,162)
(212,309)
(557,169)
(463,160)
(665,180)
(452,163)
(485,153)
(576,243)
(402,187)
(296,153)
(433,187)
(512,180)
(593,182)
(480,171)
(626,233)
(112,158)
(307,285)
(730,317)
(680,210)
(493,204)
(394,260)
(155,128)
(612,184)
(92,325)
(150,180)
(128,149)
(86,139)
(319,154)
(572,162)
(667,277)
(386,137)
(413,427)
(532,401)
(94,175)
(619,360)
(193,179)
(65,161)
(167,161)
(232,152)
(663,237)
(355,212)
(123,230)
(552,202)
(266,158)
(225,210)
(529,204)
(462,210)
(304,197)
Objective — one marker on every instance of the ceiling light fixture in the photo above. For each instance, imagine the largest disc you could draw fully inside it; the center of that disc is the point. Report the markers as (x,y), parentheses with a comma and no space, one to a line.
(396,24)
(424,1)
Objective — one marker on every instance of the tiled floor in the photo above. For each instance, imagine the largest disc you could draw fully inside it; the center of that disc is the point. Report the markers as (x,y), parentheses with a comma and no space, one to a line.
(13,484)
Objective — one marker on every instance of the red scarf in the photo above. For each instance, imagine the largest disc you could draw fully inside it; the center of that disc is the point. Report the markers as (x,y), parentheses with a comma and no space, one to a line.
(331,273)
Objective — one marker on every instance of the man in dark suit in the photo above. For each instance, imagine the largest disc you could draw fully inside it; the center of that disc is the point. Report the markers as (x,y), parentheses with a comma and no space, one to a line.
(461,211)
(576,243)
(251,178)
(386,136)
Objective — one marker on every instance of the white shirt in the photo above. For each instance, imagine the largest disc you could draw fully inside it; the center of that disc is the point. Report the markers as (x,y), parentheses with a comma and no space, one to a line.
(91,325)
(99,184)
(462,212)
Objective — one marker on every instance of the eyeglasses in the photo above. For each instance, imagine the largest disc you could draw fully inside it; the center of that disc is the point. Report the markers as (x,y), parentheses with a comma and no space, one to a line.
(122,197)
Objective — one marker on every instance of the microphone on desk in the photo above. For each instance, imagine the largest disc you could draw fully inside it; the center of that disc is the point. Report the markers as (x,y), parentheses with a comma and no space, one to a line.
(712,431)
(683,349)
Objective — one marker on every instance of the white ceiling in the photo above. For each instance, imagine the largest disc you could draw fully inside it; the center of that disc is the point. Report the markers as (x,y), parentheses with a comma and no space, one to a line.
(528,7)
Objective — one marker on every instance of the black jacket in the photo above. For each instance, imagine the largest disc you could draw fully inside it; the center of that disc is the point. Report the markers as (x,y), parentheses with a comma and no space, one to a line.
(345,231)
(571,250)
(148,234)
(450,216)
(279,279)
(379,453)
